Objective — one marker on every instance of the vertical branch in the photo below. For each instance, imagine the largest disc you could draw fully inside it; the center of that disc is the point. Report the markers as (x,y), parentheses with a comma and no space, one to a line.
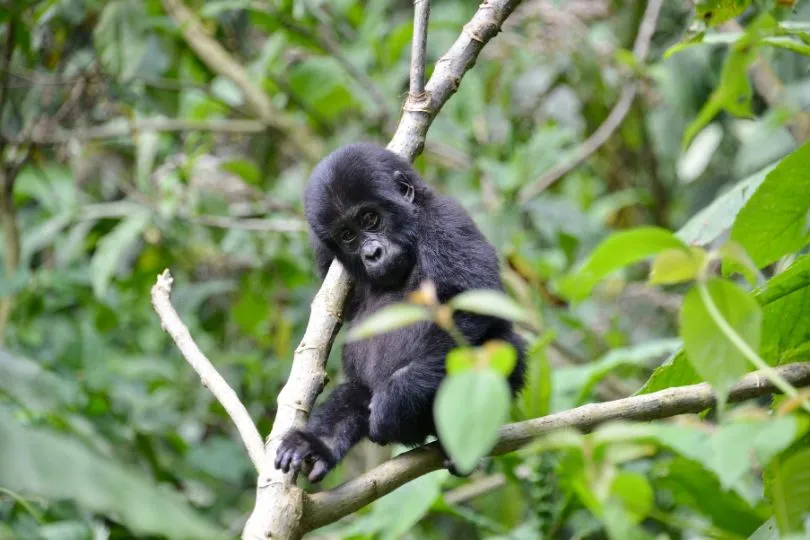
(8,213)
(421,15)
(280,506)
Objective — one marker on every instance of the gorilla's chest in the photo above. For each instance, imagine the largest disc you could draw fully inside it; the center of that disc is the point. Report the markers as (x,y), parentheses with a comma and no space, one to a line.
(374,360)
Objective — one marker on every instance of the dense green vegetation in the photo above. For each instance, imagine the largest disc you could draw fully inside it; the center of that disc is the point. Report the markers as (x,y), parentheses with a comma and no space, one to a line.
(138,135)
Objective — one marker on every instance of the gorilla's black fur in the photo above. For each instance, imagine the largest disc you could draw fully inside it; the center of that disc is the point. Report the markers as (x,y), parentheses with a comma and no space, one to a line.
(367,207)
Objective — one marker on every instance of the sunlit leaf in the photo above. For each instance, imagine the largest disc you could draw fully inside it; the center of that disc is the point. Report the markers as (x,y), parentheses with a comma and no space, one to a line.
(488,302)
(710,351)
(773,222)
(715,12)
(468,428)
(386,319)
(677,265)
(615,252)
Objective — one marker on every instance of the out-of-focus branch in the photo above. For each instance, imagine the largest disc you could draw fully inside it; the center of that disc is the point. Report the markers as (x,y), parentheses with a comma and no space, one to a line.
(328,506)
(8,212)
(599,137)
(768,85)
(119,128)
(280,510)
(210,377)
(213,55)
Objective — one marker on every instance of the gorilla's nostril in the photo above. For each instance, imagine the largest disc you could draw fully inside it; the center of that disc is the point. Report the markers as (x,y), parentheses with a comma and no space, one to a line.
(374,254)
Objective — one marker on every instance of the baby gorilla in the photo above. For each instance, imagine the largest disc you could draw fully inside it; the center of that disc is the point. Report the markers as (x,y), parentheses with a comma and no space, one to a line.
(369,209)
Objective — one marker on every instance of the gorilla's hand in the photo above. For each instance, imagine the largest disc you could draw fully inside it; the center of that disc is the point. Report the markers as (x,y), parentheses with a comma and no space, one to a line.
(302,451)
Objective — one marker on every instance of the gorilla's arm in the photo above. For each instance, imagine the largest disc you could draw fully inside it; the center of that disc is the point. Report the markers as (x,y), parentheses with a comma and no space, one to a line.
(332,430)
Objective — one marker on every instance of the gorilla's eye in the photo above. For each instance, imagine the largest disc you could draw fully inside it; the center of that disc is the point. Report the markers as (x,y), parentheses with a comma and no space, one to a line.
(369,221)
(347,236)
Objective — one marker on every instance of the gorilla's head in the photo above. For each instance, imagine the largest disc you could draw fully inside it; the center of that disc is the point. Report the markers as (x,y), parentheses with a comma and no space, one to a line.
(362,203)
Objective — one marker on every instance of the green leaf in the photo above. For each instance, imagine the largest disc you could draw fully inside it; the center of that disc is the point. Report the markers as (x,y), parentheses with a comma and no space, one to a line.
(459,360)
(112,247)
(386,319)
(677,265)
(709,350)
(38,463)
(120,38)
(468,428)
(488,302)
(715,12)
(500,356)
(707,225)
(787,484)
(635,493)
(773,222)
(793,278)
(615,252)
(35,388)
(677,371)
(247,170)
(401,509)
(535,399)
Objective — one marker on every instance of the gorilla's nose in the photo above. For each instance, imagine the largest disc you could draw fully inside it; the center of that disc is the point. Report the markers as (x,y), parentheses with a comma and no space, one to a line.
(372,252)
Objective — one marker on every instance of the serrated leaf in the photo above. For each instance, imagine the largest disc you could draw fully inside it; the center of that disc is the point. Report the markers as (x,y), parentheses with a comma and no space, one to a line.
(488,302)
(386,319)
(468,428)
(110,249)
(773,221)
(615,252)
(715,358)
(787,484)
(677,265)
(38,463)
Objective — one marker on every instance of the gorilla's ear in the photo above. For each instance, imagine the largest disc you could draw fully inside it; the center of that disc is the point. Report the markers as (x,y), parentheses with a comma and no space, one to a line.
(405,186)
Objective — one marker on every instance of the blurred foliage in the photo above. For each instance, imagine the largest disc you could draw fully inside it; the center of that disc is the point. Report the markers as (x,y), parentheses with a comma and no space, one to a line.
(124,153)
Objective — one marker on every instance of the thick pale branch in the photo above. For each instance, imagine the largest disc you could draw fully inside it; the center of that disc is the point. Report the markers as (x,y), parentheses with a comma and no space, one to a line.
(210,377)
(614,119)
(419,111)
(280,505)
(328,506)
(213,55)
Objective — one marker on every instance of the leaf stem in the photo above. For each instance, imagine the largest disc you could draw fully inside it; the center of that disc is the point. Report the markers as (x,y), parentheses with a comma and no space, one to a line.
(738,342)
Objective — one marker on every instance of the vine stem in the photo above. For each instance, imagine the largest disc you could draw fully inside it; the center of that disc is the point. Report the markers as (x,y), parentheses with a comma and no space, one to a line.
(738,342)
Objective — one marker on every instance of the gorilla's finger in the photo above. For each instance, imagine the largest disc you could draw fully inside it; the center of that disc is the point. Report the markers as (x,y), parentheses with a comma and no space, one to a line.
(319,470)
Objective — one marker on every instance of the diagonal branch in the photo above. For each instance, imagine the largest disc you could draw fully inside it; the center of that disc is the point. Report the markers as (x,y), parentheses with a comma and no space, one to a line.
(614,119)
(328,506)
(280,505)
(218,60)
(211,379)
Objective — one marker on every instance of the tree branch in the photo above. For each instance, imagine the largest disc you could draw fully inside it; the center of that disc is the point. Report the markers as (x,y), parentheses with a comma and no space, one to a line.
(218,60)
(280,508)
(328,506)
(421,16)
(211,379)
(614,119)
(119,128)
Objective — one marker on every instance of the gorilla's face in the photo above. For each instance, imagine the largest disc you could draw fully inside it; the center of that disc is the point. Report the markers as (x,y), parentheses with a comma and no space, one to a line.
(362,205)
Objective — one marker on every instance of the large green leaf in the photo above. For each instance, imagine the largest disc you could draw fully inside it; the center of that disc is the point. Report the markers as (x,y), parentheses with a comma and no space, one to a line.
(468,428)
(785,327)
(711,352)
(615,252)
(774,222)
(488,302)
(388,318)
(787,483)
(35,462)
(35,388)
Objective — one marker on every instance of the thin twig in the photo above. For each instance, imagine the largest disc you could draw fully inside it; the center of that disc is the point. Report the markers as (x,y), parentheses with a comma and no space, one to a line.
(421,15)
(328,506)
(210,377)
(614,119)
